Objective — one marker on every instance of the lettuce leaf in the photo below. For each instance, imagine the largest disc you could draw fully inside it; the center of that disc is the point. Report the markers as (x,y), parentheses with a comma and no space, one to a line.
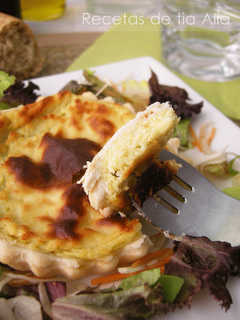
(18,94)
(181,131)
(232,192)
(230,167)
(150,276)
(236,180)
(171,285)
(137,297)
(176,96)
(5,82)
(96,86)
(204,264)
(137,302)
(218,169)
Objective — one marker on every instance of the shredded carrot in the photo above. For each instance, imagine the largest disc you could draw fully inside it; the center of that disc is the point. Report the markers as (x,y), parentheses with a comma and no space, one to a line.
(150,256)
(195,139)
(113,85)
(202,136)
(164,258)
(211,136)
(109,278)
(169,253)
(158,264)
(119,276)
(203,140)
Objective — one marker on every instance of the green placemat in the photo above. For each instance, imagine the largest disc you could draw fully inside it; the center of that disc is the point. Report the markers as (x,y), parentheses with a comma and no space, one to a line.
(135,38)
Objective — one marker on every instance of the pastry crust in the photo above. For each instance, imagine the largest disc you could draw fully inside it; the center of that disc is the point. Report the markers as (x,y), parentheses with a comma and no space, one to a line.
(20,54)
(47,224)
(47,265)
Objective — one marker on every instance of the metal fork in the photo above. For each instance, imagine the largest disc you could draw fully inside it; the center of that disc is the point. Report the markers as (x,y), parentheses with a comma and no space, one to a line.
(192,205)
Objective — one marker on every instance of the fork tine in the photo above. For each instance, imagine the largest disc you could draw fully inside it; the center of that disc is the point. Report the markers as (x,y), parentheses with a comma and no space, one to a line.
(169,198)
(206,210)
(179,189)
(155,212)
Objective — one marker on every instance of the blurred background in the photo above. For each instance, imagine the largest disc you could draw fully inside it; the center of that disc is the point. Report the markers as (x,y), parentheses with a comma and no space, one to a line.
(64,38)
(72,19)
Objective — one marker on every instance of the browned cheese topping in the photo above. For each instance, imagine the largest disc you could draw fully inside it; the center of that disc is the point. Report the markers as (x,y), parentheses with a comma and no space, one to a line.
(43,150)
(62,159)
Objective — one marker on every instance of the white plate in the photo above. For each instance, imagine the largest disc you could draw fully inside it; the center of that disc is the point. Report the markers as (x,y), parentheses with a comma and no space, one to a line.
(228,133)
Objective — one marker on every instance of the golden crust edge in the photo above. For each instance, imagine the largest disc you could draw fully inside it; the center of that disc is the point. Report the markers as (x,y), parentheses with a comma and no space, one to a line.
(45,265)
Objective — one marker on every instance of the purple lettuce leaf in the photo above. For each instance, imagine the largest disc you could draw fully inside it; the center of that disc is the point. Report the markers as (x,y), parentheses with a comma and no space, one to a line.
(176,96)
(18,94)
(141,301)
(204,264)
(26,290)
(55,289)
(139,297)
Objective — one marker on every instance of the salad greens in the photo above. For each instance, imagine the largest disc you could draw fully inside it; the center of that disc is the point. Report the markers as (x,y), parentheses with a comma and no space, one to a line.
(233,172)
(198,263)
(171,285)
(204,264)
(98,87)
(137,297)
(181,131)
(14,93)
(18,94)
(177,97)
(139,94)
(233,192)
(218,169)
(150,276)
(5,82)
(225,170)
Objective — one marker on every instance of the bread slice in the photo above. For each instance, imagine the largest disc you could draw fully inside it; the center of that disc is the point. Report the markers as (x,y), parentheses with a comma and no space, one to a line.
(20,54)
(133,147)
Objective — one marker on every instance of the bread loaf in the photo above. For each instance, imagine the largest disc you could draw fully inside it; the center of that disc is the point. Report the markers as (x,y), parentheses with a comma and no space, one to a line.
(19,52)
